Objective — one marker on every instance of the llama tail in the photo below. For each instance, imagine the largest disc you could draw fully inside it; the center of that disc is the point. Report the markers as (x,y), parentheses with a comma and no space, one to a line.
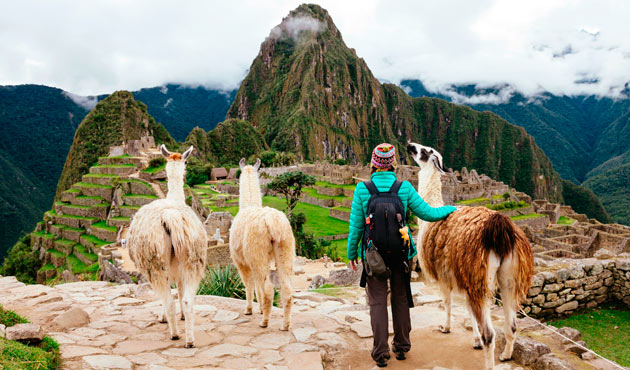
(173,224)
(498,235)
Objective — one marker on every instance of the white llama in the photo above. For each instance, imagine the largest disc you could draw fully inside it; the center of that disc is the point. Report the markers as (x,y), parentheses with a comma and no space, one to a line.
(259,235)
(472,251)
(168,244)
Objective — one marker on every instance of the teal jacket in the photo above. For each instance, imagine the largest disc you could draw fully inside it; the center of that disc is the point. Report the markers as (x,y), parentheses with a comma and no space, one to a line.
(409,197)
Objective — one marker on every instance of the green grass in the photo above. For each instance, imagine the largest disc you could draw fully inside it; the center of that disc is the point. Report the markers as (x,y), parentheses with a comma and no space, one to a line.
(342,208)
(78,267)
(153,170)
(340,246)
(78,217)
(313,193)
(129,207)
(84,251)
(116,157)
(89,197)
(606,330)
(44,235)
(47,267)
(65,242)
(325,184)
(330,289)
(90,185)
(123,165)
(146,196)
(94,240)
(56,253)
(564,220)
(103,225)
(141,182)
(18,356)
(473,201)
(524,217)
(72,190)
(102,175)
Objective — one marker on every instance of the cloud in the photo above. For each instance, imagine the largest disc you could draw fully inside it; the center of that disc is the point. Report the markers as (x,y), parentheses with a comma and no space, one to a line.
(502,96)
(561,46)
(291,27)
(87,102)
(168,102)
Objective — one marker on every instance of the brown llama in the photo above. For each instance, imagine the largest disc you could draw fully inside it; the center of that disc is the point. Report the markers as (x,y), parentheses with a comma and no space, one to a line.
(472,251)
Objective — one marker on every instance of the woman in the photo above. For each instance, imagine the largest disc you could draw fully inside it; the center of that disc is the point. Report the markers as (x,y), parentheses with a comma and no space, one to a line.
(383,164)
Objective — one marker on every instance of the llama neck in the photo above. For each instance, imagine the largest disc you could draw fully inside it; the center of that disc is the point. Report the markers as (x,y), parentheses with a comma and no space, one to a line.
(430,186)
(249,191)
(176,190)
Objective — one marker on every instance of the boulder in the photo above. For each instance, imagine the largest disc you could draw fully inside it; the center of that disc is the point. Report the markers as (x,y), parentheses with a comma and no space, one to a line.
(345,277)
(72,318)
(570,333)
(551,362)
(603,254)
(318,281)
(111,273)
(527,351)
(27,333)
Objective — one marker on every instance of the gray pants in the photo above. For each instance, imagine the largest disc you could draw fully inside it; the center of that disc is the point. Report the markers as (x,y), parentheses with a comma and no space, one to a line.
(377,298)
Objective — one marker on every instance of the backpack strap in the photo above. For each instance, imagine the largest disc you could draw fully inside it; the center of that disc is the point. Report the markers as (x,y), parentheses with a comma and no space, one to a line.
(395,187)
(371,187)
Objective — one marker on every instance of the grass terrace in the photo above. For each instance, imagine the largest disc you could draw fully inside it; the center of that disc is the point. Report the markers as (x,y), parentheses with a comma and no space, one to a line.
(606,330)
(154,170)
(94,240)
(44,234)
(78,267)
(79,217)
(56,253)
(313,193)
(527,216)
(101,175)
(90,185)
(473,201)
(146,196)
(325,184)
(564,220)
(342,209)
(84,251)
(103,225)
(123,165)
(47,267)
(116,157)
(72,190)
(120,218)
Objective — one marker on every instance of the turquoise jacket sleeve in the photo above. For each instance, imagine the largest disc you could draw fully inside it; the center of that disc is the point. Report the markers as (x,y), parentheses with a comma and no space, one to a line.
(357,222)
(420,208)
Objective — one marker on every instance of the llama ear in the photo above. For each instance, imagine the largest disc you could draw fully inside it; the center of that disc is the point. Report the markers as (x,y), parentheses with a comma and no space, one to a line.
(188,152)
(257,165)
(241,164)
(164,151)
(437,163)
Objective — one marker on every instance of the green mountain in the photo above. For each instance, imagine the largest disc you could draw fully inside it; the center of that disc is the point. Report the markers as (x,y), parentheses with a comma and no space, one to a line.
(36,128)
(582,135)
(113,120)
(306,91)
(613,188)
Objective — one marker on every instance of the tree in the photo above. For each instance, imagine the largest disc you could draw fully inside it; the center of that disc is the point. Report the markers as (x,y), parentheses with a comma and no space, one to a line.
(22,261)
(290,184)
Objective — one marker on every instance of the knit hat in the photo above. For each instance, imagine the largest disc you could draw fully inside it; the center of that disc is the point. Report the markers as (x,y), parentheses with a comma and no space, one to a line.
(384,156)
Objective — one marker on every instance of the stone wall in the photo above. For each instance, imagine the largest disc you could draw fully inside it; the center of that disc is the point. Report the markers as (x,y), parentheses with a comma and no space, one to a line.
(586,283)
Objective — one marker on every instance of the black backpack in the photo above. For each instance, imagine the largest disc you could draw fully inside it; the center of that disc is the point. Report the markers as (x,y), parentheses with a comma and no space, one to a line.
(385,216)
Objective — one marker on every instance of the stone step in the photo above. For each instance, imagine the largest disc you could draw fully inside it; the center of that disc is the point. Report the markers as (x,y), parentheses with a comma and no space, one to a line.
(137,186)
(100,179)
(69,195)
(102,231)
(76,222)
(64,246)
(84,255)
(128,211)
(42,239)
(114,169)
(98,210)
(138,199)
(93,243)
(118,160)
(87,200)
(55,257)
(103,191)
(120,221)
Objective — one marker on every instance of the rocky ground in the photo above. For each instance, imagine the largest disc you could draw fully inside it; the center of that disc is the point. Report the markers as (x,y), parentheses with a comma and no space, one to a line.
(104,326)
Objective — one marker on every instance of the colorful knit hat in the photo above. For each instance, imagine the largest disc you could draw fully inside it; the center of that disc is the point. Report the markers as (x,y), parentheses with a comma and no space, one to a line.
(384,156)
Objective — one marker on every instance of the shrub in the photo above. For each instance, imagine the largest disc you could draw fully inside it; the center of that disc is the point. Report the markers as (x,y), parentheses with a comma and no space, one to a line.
(21,261)
(157,162)
(224,282)
(340,161)
(197,171)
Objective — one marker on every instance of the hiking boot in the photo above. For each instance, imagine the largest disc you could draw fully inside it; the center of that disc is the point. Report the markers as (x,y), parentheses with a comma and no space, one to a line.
(382,362)
(400,354)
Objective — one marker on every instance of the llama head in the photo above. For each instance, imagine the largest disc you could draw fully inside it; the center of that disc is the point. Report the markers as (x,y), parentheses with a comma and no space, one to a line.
(249,169)
(175,162)
(426,157)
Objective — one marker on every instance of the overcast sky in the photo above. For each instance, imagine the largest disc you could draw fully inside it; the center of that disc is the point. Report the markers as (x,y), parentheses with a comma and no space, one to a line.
(95,47)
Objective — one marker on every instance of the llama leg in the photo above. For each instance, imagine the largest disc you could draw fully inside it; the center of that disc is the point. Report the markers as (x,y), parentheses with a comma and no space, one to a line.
(487,335)
(259,296)
(506,283)
(163,315)
(164,292)
(475,328)
(284,264)
(188,308)
(266,300)
(180,296)
(250,285)
(446,294)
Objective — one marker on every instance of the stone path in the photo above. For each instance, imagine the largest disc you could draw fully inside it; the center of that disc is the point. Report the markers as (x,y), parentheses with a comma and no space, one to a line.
(122,331)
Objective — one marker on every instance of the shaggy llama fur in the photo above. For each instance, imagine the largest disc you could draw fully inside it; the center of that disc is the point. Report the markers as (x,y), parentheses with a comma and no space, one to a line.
(259,235)
(472,251)
(168,244)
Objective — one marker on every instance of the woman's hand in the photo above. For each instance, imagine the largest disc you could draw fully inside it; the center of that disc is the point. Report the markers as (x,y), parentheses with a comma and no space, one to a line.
(354,263)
